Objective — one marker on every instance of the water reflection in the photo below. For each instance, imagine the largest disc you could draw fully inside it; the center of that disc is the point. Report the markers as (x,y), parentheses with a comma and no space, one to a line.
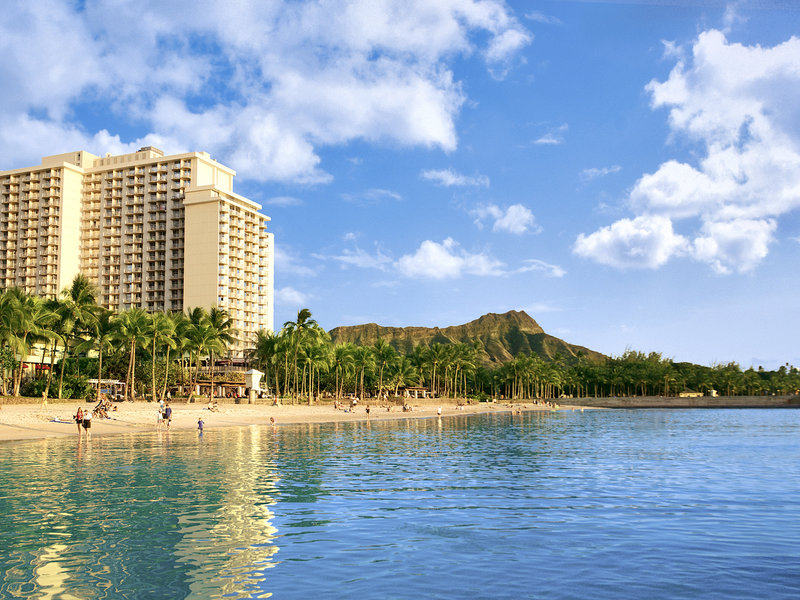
(557,504)
(149,516)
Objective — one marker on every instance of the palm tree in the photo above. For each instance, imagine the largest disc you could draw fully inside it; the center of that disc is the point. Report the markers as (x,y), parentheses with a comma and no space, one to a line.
(384,355)
(101,338)
(403,373)
(133,332)
(264,354)
(30,317)
(343,361)
(297,332)
(419,359)
(319,356)
(194,321)
(78,310)
(161,331)
(222,333)
(435,355)
(202,337)
(182,341)
(363,359)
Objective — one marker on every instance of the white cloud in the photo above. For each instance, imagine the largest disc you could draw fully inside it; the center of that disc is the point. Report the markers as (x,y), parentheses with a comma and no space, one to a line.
(644,242)
(540,17)
(503,47)
(597,172)
(734,245)
(288,262)
(552,138)
(738,104)
(446,261)
(284,201)
(515,219)
(540,307)
(449,178)
(356,257)
(534,264)
(292,297)
(371,197)
(280,82)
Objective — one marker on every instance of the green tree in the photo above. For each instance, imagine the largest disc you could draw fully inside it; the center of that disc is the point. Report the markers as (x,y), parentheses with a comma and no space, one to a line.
(384,356)
(343,362)
(297,331)
(222,333)
(133,332)
(161,331)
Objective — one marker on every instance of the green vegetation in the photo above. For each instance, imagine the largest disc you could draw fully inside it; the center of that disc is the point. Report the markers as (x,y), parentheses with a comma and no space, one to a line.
(150,352)
(491,357)
(302,354)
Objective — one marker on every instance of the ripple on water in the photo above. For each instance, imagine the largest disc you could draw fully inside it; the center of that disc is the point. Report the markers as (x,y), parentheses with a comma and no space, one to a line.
(601,504)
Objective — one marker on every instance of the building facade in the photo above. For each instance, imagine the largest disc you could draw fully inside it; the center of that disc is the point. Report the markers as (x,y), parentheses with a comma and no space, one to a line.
(162,233)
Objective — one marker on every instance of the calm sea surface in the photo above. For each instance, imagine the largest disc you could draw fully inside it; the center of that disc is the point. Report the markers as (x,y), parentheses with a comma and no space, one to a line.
(600,504)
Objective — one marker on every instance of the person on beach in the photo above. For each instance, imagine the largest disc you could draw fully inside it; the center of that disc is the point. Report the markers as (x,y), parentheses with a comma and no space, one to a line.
(200,425)
(368,411)
(272,421)
(439,411)
(79,420)
(159,419)
(87,422)
(168,415)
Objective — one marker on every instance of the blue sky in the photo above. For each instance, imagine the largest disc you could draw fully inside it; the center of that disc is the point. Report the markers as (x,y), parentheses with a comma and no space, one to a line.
(626,172)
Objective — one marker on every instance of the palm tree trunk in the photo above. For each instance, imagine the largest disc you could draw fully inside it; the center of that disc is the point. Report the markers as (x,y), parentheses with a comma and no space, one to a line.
(153,375)
(166,376)
(277,380)
(50,372)
(63,368)
(99,370)
(211,365)
(130,378)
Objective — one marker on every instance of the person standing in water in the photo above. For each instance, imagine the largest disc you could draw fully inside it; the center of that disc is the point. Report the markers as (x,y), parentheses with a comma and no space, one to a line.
(87,422)
(200,425)
(79,420)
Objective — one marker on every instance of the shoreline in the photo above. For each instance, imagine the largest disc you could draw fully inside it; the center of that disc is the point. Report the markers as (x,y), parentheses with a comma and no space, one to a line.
(24,419)
(28,420)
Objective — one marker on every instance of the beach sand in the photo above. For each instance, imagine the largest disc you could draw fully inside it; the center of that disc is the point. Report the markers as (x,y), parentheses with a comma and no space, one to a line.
(34,420)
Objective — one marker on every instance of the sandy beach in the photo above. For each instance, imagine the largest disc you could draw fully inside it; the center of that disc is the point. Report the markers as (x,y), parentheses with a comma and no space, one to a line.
(19,421)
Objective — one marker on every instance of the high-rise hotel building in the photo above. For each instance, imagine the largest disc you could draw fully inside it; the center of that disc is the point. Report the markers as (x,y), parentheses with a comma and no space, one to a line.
(163,233)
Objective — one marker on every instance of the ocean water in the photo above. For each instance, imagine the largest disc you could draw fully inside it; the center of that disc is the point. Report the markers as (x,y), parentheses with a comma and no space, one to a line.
(596,504)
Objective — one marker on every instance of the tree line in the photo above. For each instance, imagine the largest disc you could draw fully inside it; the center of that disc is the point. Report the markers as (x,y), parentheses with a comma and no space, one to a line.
(155,352)
(300,360)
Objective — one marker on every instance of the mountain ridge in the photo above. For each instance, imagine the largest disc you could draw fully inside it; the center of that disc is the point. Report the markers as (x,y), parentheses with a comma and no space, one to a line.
(502,337)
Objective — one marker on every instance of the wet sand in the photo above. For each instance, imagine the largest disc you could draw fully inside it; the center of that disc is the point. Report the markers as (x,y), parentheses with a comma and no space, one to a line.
(34,420)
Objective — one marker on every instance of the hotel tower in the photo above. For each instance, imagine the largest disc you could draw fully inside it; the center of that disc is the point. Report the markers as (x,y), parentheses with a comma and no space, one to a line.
(162,233)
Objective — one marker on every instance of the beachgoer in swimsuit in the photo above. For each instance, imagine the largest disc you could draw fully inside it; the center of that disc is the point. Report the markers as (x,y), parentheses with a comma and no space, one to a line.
(168,415)
(79,420)
(87,422)
(200,424)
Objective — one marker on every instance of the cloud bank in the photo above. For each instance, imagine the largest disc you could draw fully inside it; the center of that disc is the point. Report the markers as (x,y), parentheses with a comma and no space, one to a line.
(737,105)
(262,85)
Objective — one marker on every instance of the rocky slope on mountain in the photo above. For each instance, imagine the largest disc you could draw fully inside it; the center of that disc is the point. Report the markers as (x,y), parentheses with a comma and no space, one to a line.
(500,337)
